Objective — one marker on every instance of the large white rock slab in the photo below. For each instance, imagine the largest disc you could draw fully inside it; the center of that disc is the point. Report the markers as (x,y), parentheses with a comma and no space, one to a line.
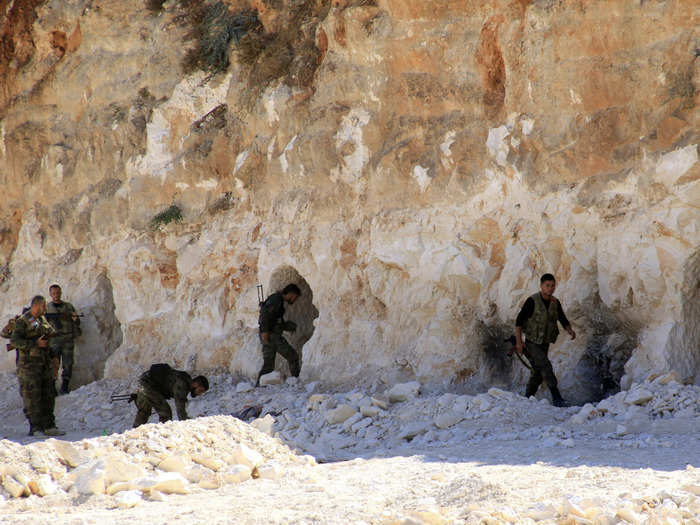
(403,391)
(340,414)
(638,396)
(128,499)
(245,455)
(273,378)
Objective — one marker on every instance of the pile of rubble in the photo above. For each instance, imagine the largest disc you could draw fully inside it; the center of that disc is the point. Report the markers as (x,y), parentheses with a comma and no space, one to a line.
(149,461)
(667,508)
(342,424)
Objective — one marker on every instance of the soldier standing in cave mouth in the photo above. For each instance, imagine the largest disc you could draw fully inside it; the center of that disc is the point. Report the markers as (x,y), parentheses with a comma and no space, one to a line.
(272,325)
(538,320)
(64,319)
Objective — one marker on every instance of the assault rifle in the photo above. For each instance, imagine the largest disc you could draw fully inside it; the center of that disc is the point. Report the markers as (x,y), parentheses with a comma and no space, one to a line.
(56,319)
(512,351)
(122,397)
(9,346)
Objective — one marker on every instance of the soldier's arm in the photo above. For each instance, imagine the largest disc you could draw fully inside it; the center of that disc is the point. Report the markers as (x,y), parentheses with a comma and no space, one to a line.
(564,321)
(180,392)
(19,336)
(525,314)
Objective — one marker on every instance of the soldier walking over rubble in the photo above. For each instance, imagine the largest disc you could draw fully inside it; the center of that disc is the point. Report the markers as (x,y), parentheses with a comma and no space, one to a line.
(30,336)
(538,320)
(162,382)
(66,322)
(272,325)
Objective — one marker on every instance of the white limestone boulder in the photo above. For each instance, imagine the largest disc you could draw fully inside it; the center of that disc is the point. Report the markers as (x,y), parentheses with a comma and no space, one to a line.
(166,482)
(448,419)
(128,499)
(196,473)
(172,463)
(273,378)
(13,487)
(340,414)
(208,461)
(68,454)
(403,391)
(370,411)
(236,474)
(381,402)
(244,455)
(269,470)
(638,396)
(349,422)
(266,424)
(90,478)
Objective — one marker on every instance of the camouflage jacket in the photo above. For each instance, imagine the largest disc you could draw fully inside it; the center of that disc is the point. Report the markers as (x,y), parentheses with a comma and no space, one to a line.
(272,313)
(60,316)
(26,333)
(171,384)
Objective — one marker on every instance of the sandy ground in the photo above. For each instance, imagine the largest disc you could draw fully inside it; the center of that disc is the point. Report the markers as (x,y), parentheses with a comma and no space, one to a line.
(484,479)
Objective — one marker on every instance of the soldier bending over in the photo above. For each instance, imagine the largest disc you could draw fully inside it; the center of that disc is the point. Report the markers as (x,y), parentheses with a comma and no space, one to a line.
(163,382)
(538,319)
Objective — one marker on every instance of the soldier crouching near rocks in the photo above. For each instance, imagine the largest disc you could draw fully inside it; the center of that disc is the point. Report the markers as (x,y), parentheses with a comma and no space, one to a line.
(162,382)
(30,337)
(538,319)
(64,319)
(272,325)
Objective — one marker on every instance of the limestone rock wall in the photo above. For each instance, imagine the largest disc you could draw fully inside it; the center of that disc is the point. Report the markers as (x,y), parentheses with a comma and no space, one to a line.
(416,165)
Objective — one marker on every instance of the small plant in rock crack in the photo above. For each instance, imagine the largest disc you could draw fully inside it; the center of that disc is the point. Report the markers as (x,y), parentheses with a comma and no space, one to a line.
(172,213)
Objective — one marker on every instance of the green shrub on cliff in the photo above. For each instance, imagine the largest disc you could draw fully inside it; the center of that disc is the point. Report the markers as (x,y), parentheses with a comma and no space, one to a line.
(172,213)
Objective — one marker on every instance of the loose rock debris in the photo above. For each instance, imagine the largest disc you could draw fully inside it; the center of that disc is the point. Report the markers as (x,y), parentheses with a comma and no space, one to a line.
(379,440)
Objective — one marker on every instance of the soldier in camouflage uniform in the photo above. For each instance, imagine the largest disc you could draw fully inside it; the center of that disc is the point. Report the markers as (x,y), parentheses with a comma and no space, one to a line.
(30,337)
(160,383)
(272,325)
(66,322)
(538,320)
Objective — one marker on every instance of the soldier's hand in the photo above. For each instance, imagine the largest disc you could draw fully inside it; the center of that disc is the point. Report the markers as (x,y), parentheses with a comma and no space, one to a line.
(519,347)
(74,316)
(42,342)
(572,333)
(265,336)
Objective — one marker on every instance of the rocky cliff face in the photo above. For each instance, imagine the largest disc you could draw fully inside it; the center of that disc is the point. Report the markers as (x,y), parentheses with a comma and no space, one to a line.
(414,166)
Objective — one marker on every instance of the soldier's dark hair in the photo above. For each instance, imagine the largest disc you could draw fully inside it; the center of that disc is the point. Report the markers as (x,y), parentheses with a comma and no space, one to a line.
(202,381)
(38,299)
(547,277)
(54,286)
(291,288)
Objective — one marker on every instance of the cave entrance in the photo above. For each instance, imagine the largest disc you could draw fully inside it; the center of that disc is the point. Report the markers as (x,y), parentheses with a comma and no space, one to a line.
(302,312)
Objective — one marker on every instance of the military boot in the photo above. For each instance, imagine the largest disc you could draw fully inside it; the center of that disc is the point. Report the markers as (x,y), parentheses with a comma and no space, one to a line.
(557,400)
(53,431)
(64,387)
(33,430)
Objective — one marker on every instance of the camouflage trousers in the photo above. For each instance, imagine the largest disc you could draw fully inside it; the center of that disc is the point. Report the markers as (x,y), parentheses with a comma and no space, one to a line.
(541,369)
(278,345)
(38,390)
(64,350)
(148,399)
